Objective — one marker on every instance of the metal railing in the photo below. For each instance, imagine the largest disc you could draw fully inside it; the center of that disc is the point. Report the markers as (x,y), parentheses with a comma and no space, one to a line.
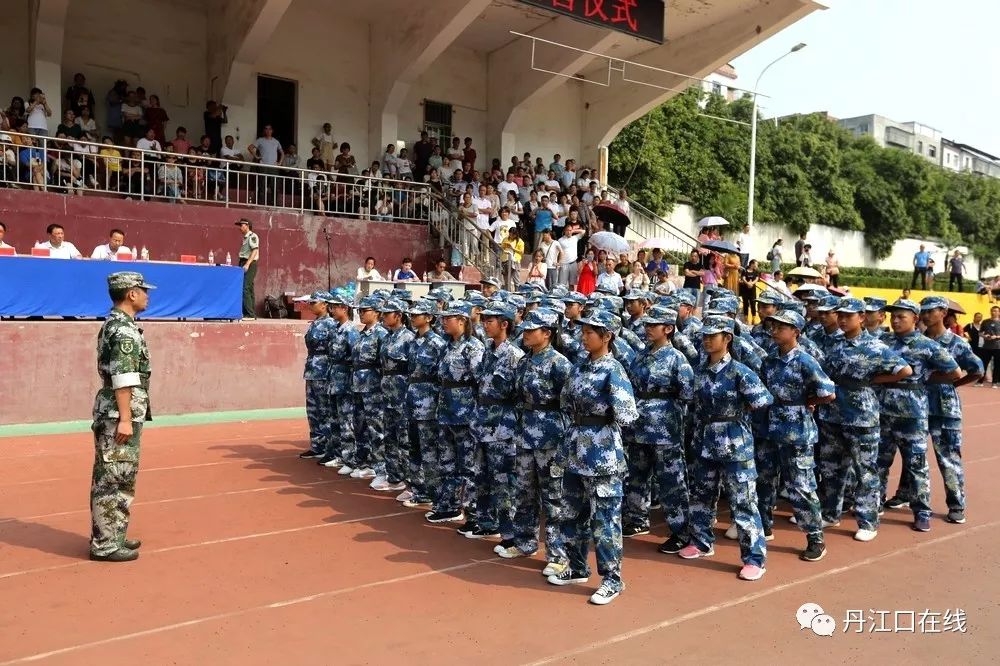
(477,247)
(645,224)
(75,166)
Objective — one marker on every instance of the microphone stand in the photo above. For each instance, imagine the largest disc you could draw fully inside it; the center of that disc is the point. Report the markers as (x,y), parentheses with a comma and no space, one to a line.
(329,260)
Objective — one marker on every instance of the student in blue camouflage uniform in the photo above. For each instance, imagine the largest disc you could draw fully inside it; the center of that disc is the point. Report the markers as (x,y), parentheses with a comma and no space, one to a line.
(905,407)
(458,371)
(811,299)
(422,390)
(490,288)
(849,426)
(541,428)
(805,342)
(598,399)
(442,298)
(725,390)
(620,347)
(340,350)
(945,410)
(635,305)
(368,458)
(316,374)
(393,359)
(797,382)
(829,335)
(663,382)
(687,323)
(767,305)
(875,316)
(742,349)
(575,303)
(494,427)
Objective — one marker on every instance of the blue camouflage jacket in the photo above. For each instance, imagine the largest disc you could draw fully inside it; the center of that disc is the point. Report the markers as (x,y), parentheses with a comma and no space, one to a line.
(683,344)
(852,364)
(496,416)
(598,389)
(340,349)
(742,352)
(539,382)
(422,392)
(943,400)
(459,371)
(723,394)
(394,358)
(908,398)
(636,341)
(317,339)
(663,385)
(793,378)
(690,327)
(367,376)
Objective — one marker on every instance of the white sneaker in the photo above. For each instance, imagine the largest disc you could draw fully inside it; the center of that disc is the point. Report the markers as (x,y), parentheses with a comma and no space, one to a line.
(356,473)
(604,595)
(345,470)
(865,535)
(379,483)
(792,520)
(830,523)
(336,462)
(732,532)
(554,568)
(404,496)
(366,473)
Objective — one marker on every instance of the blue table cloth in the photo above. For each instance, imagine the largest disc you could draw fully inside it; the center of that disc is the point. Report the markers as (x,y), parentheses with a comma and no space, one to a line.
(40,286)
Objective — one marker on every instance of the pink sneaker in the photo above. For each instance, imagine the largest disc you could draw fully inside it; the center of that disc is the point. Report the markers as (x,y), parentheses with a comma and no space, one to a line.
(691,551)
(752,572)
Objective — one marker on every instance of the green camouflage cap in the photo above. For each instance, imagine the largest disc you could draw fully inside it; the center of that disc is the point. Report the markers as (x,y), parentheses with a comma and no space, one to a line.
(128,280)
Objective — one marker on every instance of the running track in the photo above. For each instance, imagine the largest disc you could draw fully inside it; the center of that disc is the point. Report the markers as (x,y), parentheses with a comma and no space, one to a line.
(252,556)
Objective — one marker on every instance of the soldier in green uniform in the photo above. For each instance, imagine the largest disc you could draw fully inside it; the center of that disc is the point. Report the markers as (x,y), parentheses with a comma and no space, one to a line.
(120,408)
(248,259)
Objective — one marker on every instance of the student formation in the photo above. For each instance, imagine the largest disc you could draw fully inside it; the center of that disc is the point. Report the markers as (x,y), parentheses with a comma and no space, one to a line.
(502,408)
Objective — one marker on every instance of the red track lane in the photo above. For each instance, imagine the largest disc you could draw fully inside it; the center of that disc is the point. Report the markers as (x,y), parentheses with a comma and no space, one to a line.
(252,556)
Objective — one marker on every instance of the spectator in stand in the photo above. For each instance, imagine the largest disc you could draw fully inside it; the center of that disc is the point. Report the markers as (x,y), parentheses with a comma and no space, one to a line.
(456,156)
(710,276)
(79,97)
(38,113)
(744,241)
(140,94)
(469,153)
(16,111)
(610,278)
(133,116)
(156,119)
(508,185)
(3,232)
(170,178)
(139,175)
(422,151)
(624,265)
(326,145)
(832,268)
(113,114)
(405,272)
(637,278)
(345,160)
(180,141)
(552,182)
(663,285)
(149,142)
(32,160)
(316,163)
(553,258)
(799,246)
(389,169)
(267,151)
(435,160)
(805,257)
(778,282)
(290,157)
(951,323)
(972,334)
(568,177)
(435,183)
(657,263)
(68,126)
(110,250)
(511,251)
(439,274)
(587,281)
(774,256)
(88,126)
(557,165)
(229,152)
(989,334)
(543,220)
(748,291)
(956,271)
(215,116)
(538,270)
(569,241)
(57,245)
(368,272)
(920,262)
(591,197)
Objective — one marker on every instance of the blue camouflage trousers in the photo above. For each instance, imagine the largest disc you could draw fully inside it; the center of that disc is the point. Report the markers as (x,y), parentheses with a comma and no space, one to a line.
(395,443)
(842,447)
(738,478)
(342,441)
(592,511)
(795,466)
(369,449)
(319,414)
(946,435)
(494,480)
(909,436)
(425,474)
(537,488)
(457,463)
(666,465)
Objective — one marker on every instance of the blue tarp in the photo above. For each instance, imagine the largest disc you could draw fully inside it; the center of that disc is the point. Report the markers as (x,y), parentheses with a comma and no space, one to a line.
(37,286)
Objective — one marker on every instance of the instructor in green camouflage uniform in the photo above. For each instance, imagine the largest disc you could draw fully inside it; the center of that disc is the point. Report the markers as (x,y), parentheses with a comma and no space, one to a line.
(120,408)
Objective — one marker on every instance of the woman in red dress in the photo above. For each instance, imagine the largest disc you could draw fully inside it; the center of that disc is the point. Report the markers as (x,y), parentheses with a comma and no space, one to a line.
(587,282)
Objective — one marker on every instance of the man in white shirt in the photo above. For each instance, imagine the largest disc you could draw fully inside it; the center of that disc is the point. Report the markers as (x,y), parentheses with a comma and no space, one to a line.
(3,232)
(149,141)
(553,258)
(568,176)
(110,250)
(507,186)
(745,243)
(368,272)
(610,278)
(569,242)
(57,245)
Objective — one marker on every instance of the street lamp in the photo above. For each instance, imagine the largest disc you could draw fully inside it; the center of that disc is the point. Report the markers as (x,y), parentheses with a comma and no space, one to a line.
(753,131)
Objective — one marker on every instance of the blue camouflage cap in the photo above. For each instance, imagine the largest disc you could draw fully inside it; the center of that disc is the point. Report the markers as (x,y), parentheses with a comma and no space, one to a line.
(770,297)
(666,300)
(392,305)
(904,304)
(606,289)
(128,280)
(516,300)
(725,304)
(686,297)
(381,293)
(501,310)
(792,305)
(458,309)
(476,298)
(575,297)
(851,306)
(810,293)
(934,302)
(659,314)
(874,304)
(338,297)
(533,297)
(402,295)
(828,304)
(717,324)
(635,295)
(791,318)
(441,294)
(611,302)
(423,307)
(559,291)
(553,304)
(540,318)
(529,287)
(315,297)
(599,318)
(370,303)
(492,281)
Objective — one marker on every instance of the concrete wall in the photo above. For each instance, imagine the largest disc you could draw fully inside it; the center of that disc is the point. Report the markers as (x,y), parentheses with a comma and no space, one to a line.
(197,367)
(15,26)
(537,133)
(293,248)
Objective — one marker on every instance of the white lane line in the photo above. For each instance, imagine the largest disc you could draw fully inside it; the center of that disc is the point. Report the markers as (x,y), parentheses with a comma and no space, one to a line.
(754,596)
(244,611)
(212,542)
(171,500)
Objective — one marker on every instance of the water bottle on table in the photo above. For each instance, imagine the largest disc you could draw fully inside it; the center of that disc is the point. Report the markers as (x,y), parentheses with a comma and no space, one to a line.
(211,257)
(229,259)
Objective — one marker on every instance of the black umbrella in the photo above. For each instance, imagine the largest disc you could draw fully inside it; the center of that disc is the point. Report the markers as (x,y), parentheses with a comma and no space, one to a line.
(611,214)
(722,246)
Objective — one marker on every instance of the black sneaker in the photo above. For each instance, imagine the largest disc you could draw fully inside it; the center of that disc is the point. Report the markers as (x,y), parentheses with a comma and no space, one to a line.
(957,517)
(309,453)
(483,533)
(921,524)
(468,528)
(672,545)
(633,531)
(897,503)
(120,555)
(768,534)
(444,516)
(815,550)
(568,577)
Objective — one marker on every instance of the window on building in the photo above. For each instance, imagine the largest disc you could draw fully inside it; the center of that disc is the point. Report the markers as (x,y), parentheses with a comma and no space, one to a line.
(716,88)
(863,128)
(437,121)
(931,151)
(920,147)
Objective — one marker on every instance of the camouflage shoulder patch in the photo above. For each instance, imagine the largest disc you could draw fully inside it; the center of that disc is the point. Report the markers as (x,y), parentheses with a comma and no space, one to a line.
(127,346)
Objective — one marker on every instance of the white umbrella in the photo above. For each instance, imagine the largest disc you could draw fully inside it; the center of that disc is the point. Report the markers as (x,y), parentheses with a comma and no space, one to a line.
(713,221)
(658,244)
(610,242)
(803,271)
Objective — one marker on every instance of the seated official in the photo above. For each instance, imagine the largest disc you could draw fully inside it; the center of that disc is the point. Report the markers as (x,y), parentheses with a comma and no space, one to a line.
(57,245)
(110,250)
